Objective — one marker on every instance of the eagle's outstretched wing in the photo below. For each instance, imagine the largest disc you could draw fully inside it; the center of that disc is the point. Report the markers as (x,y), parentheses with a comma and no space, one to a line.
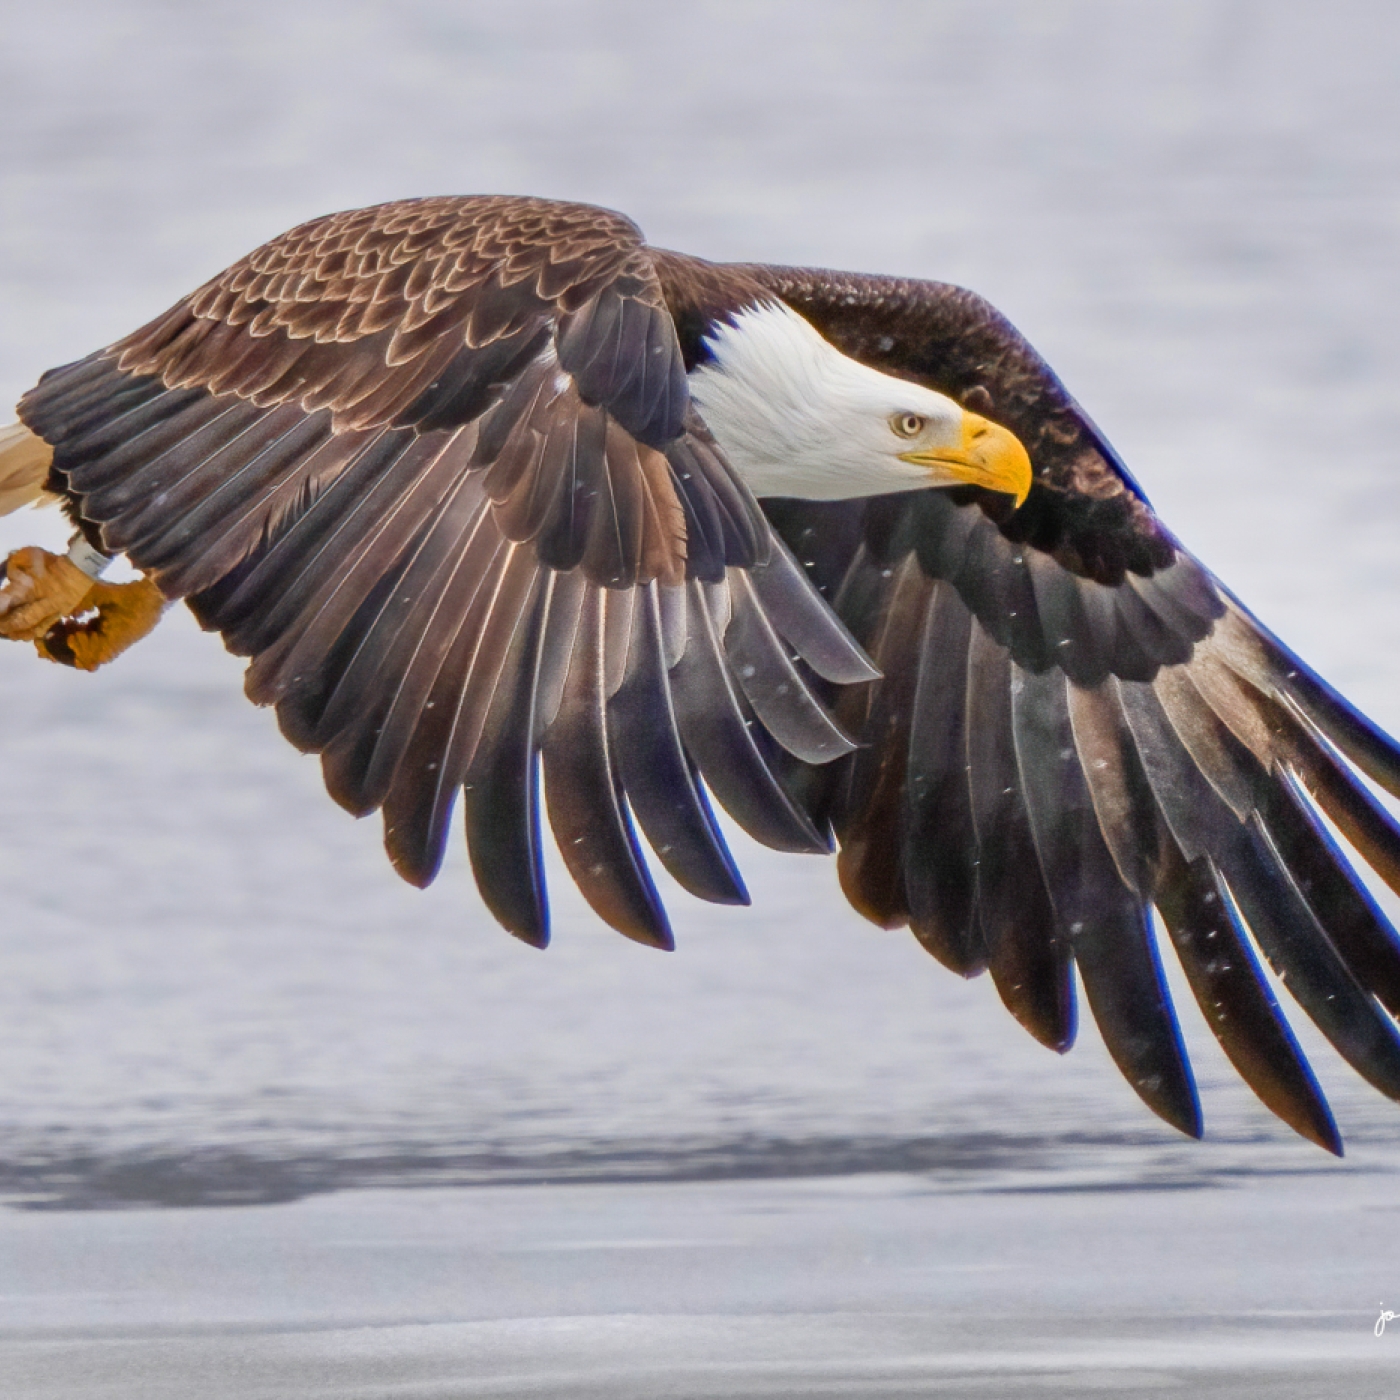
(432,466)
(1076,723)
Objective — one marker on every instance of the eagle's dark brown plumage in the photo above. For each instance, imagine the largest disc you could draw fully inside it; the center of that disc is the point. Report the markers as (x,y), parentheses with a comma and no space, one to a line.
(434,468)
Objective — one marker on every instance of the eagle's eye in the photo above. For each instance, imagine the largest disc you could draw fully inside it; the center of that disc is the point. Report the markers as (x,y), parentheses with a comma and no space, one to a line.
(907,425)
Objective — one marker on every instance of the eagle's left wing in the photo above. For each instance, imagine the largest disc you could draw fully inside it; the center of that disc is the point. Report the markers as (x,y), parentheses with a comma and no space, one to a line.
(433,467)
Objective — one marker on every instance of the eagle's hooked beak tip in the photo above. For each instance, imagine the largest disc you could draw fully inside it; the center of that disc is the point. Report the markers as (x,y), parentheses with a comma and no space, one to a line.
(996,458)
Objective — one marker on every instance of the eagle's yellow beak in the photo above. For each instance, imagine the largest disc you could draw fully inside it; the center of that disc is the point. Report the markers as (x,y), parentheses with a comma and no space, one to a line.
(988,455)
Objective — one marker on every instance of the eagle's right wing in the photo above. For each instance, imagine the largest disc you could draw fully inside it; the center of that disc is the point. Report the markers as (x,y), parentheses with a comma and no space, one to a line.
(1076,722)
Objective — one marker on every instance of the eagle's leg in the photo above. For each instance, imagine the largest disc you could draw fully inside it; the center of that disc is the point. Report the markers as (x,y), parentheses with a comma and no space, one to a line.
(70,616)
(58,601)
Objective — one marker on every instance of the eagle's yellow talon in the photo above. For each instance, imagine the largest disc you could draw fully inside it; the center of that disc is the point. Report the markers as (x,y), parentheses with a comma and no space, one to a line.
(39,590)
(122,613)
(46,599)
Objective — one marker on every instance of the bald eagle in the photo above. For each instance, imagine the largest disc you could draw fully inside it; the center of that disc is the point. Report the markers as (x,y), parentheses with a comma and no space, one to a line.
(508,508)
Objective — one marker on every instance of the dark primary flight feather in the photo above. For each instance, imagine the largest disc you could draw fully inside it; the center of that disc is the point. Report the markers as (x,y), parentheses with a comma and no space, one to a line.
(433,466)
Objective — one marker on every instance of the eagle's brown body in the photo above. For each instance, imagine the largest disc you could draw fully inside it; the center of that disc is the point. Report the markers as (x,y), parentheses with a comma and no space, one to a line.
(434,467)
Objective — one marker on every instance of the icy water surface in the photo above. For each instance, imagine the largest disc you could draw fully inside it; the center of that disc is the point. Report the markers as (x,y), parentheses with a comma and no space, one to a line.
(215,991)
(879,1286)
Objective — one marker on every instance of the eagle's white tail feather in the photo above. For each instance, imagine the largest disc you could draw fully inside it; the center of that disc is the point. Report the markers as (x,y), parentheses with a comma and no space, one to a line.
(24,467)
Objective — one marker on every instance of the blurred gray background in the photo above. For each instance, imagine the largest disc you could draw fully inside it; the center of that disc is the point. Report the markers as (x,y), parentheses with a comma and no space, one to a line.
(215,989)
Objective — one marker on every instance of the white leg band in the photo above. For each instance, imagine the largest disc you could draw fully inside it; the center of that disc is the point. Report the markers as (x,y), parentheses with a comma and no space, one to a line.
(89,560)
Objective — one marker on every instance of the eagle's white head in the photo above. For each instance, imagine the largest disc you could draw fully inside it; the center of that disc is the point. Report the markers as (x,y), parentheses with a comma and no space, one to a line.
(796,417)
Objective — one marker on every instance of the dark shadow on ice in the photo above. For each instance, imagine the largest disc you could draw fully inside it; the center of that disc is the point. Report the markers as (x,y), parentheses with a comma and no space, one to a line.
(981,1162)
